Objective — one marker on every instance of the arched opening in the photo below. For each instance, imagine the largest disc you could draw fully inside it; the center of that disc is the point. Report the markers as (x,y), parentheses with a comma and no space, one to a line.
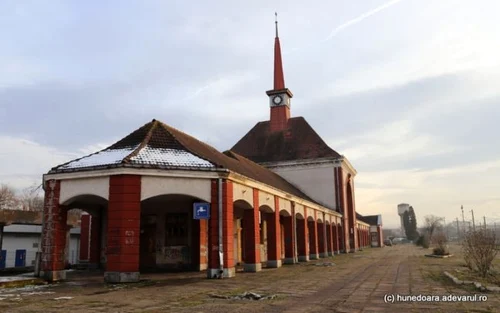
(320,228)
(302,238)
(88,251)
(313,238)
(266,228)
(247,233)
(340,232)
(171,239)
(329,238)
(286,236)
(335,238)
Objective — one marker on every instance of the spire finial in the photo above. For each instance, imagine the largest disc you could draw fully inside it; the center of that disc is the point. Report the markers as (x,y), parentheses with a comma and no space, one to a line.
(276,21)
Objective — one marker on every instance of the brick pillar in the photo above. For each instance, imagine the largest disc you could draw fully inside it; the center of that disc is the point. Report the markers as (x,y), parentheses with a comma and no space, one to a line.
(303,240)
(252,236)
(214,268)
(321,240)
(95,241)
(313,239)
(124,218)
(53,234)
(273,234)
(84,238)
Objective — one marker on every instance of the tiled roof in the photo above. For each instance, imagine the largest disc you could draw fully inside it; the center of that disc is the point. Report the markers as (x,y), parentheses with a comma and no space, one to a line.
(150,146)
(157,145)
(299,141)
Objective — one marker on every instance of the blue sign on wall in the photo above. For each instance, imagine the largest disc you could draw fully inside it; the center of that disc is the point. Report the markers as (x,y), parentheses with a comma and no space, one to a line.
(201,211)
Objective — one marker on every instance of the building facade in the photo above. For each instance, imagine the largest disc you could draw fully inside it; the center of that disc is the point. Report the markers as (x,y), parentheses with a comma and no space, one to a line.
(159,199)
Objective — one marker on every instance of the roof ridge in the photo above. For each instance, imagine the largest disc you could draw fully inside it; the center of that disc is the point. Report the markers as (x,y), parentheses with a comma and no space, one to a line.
(170,128)
(143,143)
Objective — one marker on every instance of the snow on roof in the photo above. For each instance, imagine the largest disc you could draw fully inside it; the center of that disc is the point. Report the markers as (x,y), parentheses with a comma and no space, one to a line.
(168,157)
(105,157)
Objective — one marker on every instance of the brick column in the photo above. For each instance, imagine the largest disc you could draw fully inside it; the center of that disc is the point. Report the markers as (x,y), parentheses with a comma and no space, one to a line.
(273,234)
(214,269)
(124,218)
(53,234)
(252,236)
(303,240)
(201,239)
(313,239)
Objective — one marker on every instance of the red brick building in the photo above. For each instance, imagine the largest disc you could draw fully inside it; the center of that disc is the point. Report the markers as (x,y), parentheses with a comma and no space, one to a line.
(141,194)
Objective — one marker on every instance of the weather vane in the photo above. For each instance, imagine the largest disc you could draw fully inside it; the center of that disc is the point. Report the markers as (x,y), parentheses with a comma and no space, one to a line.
(276,21)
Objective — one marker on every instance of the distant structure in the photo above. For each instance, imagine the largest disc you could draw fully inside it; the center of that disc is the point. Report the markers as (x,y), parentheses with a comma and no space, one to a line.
(402,208)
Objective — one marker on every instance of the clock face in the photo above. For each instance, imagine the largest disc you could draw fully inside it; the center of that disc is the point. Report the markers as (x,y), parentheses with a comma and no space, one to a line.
(277,100)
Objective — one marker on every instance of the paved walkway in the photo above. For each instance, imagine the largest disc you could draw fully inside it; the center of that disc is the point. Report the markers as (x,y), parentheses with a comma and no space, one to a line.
(356,283)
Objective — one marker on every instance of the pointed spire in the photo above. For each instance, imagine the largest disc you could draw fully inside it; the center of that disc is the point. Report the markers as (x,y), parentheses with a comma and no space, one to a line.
(279,79)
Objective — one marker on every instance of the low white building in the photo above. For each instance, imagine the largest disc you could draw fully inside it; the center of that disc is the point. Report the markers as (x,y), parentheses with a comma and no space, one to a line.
(21,242)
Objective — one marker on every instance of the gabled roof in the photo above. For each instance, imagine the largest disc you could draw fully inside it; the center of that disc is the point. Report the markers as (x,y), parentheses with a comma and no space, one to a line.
(157,145)
(299,141)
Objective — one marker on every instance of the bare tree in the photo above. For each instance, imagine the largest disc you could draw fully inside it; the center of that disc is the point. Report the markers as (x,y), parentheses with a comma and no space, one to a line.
(432,224)
(8,198)
(31,198)
(479,249)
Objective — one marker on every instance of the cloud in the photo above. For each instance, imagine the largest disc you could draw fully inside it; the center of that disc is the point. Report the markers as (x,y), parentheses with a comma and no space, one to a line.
(23,161)
(360,18)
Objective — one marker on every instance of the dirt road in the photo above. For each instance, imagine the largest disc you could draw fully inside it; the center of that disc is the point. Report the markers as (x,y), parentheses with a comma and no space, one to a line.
(345,283)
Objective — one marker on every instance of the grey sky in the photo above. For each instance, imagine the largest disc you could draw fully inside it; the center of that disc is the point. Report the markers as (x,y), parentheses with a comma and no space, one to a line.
(407,90)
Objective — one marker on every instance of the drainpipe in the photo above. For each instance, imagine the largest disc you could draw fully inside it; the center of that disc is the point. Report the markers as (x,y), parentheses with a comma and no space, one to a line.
(221,247)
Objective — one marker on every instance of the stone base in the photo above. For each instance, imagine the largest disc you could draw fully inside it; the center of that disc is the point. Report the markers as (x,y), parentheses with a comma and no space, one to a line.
(331,253)
(226,273)
(273,263)
(52,276)
(313,256)
(289,261)
(337,252)
(323,255)
(121,277)
(303,258)
(248,267)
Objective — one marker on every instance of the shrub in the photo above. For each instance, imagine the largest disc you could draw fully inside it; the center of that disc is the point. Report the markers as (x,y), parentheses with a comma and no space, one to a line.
(423,241)
(479,250)
(441,241)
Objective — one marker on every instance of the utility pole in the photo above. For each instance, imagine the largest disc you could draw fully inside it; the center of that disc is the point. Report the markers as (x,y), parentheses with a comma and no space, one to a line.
(473,222)
(458,230)
(463,219)
(484,219)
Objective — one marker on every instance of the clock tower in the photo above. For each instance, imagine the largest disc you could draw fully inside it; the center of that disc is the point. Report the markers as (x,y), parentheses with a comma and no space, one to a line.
(279,96)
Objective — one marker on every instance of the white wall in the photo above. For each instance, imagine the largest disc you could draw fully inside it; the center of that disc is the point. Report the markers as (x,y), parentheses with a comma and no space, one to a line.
(30,242)
(317,181)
